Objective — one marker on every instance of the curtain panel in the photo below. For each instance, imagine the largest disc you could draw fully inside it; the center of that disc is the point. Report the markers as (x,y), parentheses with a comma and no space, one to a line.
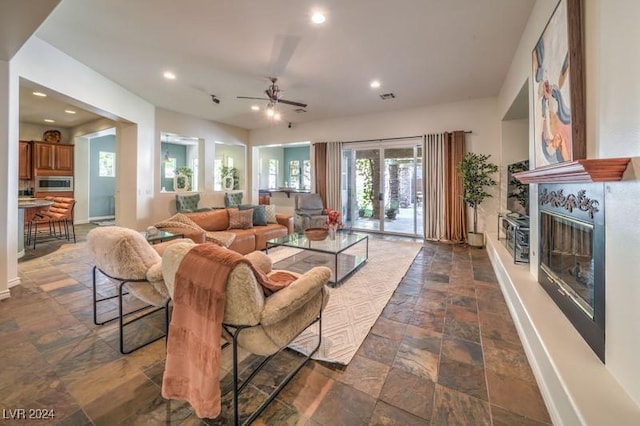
(433,172)
(445,216)
(455,213)
(320,168)
(333,173)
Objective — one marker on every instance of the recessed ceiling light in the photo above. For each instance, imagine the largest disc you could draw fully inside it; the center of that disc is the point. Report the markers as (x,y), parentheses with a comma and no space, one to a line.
(169,75)
(255,107)
(48,120)
(375,84)
(318,18)
(42,95)
(69,111)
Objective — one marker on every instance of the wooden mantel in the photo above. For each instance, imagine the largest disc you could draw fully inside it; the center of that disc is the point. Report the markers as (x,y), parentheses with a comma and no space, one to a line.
(592,170)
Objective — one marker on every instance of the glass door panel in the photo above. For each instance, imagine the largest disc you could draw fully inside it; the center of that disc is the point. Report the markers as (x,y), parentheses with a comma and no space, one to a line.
(382,188)
(364,203)
(400,190)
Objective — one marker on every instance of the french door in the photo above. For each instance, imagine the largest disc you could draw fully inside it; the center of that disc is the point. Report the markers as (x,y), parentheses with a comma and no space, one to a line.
(382,187)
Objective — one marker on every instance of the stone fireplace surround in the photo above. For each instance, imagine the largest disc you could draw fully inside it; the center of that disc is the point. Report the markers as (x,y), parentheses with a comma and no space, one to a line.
(576,385)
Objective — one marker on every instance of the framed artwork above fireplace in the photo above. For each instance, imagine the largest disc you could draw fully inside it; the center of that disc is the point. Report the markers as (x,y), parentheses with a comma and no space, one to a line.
(558,88)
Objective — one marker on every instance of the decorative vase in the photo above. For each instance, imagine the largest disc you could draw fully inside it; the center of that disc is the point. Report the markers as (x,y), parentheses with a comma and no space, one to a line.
(332,232)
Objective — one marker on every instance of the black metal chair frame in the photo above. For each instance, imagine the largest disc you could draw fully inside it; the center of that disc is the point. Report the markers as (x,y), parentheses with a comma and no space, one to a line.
(121,315)
(234,331)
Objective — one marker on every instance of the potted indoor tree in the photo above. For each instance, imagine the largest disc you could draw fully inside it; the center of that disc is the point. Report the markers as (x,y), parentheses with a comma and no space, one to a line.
(476,172)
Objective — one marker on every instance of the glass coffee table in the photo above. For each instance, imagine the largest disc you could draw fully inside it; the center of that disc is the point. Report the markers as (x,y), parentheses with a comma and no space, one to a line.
(160,236)
(344,255)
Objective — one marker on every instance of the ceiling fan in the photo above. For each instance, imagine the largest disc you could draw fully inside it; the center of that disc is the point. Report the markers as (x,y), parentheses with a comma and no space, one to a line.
(273,95)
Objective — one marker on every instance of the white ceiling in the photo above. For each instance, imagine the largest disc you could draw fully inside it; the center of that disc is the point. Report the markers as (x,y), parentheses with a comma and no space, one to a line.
(426,52)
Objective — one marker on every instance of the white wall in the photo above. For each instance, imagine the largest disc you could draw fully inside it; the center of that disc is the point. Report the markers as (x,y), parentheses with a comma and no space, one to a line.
(478,116)
(617,134)
(613,129)
(33,132)
(8,179)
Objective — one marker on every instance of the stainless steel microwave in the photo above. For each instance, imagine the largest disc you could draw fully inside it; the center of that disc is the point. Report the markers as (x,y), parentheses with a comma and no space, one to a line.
(54,184)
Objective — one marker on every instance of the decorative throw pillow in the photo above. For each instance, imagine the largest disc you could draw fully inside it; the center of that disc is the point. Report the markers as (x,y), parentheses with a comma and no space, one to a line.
(259,214)
(240,219)
(270,210)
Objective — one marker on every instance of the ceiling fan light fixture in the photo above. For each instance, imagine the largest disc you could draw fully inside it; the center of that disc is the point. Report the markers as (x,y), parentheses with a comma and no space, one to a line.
(270,112)
(276,116)
(318,18)
(255,108)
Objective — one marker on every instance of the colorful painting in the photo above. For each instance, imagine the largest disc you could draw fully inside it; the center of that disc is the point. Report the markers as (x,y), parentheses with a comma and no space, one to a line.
(554,97)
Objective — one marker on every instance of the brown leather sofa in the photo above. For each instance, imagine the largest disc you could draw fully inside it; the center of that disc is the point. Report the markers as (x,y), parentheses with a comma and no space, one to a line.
(246,240)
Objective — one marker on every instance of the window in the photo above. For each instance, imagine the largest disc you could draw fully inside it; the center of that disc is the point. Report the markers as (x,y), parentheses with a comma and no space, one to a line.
(107,164)
(306,174)
(179,154)
(229,166)
(273,173)
(194,177)
(294,174)
(170,168)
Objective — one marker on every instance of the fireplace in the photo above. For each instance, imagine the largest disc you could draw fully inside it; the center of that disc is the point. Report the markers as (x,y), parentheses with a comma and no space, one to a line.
(571,267)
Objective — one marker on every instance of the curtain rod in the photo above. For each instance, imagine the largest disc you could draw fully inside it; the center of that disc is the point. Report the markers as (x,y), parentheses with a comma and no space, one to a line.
(393,139)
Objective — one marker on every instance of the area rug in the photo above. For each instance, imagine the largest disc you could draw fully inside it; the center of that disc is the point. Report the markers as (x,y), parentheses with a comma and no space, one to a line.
(356,304)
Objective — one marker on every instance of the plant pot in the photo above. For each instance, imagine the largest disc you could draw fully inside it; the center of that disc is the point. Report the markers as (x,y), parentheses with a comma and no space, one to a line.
(475,239)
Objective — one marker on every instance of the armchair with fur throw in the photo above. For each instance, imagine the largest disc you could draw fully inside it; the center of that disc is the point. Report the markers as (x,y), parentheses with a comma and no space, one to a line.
(219,294)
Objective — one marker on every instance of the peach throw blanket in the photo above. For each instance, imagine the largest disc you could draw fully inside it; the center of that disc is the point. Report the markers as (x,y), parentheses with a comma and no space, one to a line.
(192,368)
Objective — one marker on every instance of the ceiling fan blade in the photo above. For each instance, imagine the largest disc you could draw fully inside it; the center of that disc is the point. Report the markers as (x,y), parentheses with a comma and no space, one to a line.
(249,97)
(299,104)
(283,48)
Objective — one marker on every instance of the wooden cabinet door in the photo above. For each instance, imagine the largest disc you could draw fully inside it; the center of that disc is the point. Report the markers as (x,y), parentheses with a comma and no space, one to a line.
(25,161)
(64,158)
(44,155)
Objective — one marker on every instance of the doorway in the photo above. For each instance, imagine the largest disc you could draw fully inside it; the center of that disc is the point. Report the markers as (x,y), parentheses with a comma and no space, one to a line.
(383,190)
(102,176)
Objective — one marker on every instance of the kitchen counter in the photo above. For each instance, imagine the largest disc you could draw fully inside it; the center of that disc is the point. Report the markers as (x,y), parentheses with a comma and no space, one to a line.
(287,191)
(28,206)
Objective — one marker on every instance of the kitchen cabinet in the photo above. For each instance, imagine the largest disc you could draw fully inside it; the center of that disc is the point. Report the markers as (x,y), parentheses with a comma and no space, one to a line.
(52,159)
(25,162)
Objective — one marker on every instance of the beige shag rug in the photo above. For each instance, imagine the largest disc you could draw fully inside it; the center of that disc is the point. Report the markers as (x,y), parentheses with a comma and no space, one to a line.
(355,305)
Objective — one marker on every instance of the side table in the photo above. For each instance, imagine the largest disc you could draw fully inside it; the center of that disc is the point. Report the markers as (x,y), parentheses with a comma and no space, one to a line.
(516,230)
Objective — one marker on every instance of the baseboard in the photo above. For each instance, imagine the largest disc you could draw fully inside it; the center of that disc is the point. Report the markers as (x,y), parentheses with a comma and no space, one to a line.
(14,282)
(576,386)
(5,294)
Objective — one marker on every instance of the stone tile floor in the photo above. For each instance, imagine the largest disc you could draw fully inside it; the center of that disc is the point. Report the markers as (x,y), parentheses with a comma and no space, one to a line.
(443,352)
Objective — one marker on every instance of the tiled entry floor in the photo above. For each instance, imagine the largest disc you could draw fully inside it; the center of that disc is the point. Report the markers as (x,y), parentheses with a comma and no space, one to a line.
(444,352)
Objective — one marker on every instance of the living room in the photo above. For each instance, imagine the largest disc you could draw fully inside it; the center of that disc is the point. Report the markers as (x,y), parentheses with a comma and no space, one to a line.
(612,110)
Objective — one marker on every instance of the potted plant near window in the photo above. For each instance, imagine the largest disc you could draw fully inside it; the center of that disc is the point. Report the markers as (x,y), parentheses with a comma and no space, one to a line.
(476,172)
